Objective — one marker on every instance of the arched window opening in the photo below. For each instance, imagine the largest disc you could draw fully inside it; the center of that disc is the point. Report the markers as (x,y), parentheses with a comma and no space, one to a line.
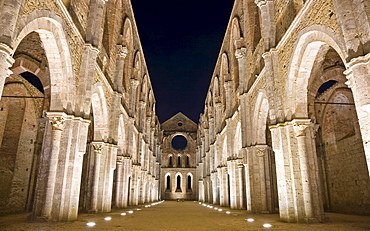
(179,161)
(168,183)
(170,162)
(189,182)
(187,161)
(178,183)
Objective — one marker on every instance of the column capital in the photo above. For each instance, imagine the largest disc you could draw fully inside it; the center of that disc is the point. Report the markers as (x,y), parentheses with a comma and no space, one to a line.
(119,160)
(122,51)
(300,126)
(57,120)
(98,147)
(260,3)
(134,82)
(240,53)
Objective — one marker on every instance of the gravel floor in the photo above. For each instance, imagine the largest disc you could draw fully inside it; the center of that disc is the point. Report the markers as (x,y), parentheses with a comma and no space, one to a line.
(182,216)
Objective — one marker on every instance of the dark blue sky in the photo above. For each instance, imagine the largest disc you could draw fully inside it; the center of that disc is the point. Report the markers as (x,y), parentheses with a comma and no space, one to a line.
(181,42)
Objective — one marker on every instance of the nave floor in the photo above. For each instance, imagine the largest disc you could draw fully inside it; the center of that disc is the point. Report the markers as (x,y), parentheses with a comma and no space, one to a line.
(182,216)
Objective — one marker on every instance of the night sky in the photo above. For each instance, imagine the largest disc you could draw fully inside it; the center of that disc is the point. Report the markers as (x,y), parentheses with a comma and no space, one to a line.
(181,42)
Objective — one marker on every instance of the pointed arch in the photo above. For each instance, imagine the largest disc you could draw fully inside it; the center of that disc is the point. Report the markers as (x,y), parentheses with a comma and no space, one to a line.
(311,40)
(100,112)
(260,115)
(57,50)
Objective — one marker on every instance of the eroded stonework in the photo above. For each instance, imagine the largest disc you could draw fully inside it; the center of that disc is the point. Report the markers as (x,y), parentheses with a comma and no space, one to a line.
(285,127)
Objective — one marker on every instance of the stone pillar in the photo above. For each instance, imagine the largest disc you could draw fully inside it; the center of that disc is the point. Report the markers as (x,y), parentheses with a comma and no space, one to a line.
(240,195)
(74,172)
(98,149)
(228,89)
(224,186)
(134,83)
(268,28)
(57,121)
(218,108)
(122,52)
(119,183)
(296,164)
(358,80)
(240,55)
(6,61)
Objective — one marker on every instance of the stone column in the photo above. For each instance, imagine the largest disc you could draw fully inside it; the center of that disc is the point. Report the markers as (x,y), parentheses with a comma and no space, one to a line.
(98,150)
(240,186)
(265,189)
(296,164)
(240,55)
(134,83)
(358,80)
(122,52)
(224,188)
(74,171)
(268,28)
(228,89)
(6,61)
(119,183)
(57,121)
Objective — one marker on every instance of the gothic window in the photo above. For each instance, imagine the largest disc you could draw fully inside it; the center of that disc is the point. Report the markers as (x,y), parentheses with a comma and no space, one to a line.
(187,161)
(189,182)
(179,161)
(178,183)
(170,162)
(168,182)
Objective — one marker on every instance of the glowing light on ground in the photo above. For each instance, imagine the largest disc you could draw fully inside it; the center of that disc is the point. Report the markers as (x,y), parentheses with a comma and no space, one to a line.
(108,218)
(138,209)
(123,214)
(228,212)
(91,224)
(130,212)
(220,210)
(267,225)
(215,208)
(250,219)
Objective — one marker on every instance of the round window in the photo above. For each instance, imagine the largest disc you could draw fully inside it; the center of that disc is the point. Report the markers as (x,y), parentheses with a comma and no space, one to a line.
(179,142)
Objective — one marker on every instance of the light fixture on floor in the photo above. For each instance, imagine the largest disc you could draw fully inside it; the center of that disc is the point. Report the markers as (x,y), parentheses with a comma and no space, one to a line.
(228,212)
(267,225)
(250,219)
(123,214)
(91,224)
(220,210)
(130,212)
(108,218)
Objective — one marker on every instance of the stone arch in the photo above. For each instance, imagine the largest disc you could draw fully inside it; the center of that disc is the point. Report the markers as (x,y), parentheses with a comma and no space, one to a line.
(234,44)
(100,112)
(57,50)
(261,114)
(310,41)
(237,139)
(128,42)
(22,65)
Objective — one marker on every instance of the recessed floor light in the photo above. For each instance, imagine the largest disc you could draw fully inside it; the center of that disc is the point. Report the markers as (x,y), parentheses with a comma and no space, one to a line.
(123,214)
(108,218)
(267,225)
(250,219)
(91,224)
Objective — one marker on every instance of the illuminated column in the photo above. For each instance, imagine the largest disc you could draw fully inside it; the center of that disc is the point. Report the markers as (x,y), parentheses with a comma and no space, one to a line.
(268,28)
(134,83)
(6,61)
(122,52)
(261,156)
(228,89)
(240,55)
(98,149)
(358,80)
(119,183)
(57,122)
(224,192)
(304,132)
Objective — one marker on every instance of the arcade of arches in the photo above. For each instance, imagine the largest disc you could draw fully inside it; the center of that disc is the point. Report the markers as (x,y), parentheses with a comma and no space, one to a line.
(285,127)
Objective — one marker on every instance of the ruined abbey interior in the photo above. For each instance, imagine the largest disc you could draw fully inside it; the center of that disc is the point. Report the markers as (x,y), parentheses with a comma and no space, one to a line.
(285,127)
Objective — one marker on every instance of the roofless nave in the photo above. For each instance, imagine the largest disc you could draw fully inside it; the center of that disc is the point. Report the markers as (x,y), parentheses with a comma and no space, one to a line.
(285,126)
